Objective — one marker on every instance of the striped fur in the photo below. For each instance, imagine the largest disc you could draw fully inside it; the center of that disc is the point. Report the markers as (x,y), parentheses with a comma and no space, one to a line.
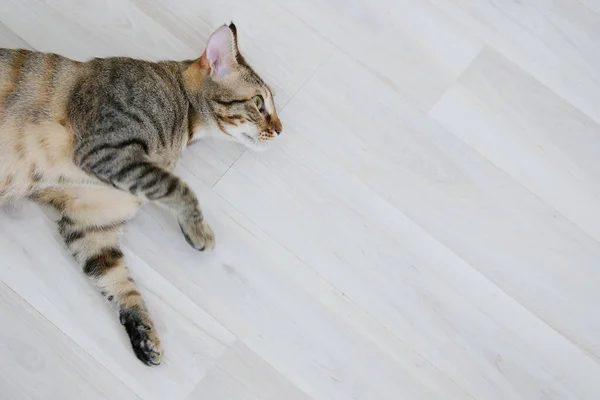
(96,140)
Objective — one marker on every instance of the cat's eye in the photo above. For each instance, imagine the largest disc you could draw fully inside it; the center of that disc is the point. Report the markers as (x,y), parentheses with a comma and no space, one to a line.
(258,101)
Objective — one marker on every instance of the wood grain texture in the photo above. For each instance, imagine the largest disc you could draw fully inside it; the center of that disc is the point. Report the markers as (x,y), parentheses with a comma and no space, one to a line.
(10,39)
(426,227)
(413,47)
(243,375)
(554,40)
(353,230)
(40,362)
(48,279)
(283,311)
(550,148)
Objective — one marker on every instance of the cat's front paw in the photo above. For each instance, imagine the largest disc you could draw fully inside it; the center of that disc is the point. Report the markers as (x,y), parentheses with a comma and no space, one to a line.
(198,235)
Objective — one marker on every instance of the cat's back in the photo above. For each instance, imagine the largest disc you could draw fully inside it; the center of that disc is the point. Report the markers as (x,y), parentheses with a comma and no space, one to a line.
(35,86)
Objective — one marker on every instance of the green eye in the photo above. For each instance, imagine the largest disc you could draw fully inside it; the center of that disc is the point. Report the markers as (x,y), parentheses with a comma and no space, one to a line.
(258,101)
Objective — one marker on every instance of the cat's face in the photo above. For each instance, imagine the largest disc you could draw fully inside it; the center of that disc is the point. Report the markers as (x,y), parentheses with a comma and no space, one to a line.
(240,103)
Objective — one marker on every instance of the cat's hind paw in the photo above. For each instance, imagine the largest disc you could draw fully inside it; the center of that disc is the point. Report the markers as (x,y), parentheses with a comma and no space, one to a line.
(143,337)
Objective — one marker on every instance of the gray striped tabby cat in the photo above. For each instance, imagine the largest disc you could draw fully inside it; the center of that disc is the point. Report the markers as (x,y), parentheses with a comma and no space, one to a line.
(98,139)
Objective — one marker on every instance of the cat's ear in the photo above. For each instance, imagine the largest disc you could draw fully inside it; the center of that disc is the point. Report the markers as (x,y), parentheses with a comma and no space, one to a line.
(221,51)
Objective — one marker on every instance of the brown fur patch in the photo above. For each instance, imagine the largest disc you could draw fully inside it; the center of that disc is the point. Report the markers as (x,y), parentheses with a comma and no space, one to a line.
(35,175)
(220,125)
(131,299)
(131,293)
(230,119)
(276,123)
(16,70)
(56,199)
(7,181)
(97,265)
(47,83)
(19,146)
(7,89)
(195,75)
(45,145)
(6,184)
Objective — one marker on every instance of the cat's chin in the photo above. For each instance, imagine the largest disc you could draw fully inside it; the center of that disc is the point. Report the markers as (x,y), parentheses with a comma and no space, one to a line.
(252,143)
(257,145)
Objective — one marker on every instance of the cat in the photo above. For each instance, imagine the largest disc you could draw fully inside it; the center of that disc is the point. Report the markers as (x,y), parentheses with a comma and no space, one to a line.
(96,140)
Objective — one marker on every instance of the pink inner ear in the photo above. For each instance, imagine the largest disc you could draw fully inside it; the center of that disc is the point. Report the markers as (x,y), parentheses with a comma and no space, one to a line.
(220,51)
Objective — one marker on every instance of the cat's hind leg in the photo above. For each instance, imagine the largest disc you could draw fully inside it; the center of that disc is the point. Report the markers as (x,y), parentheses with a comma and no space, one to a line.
(91,225)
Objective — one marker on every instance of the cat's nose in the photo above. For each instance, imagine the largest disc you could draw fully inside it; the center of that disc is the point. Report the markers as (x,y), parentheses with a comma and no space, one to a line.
(277,125)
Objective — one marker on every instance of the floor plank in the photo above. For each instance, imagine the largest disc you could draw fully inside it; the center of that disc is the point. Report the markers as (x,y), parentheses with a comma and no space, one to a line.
(243,375)
(91,29)
(193,340)
(309,332)
(10,39)
(554,40)
(40,362)
(472,206)
(355,233)
(546,143)
(410,44)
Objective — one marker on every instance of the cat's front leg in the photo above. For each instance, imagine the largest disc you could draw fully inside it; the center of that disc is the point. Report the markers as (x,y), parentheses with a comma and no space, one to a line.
(161,186)
(196,231)
(145,179)
(198,234)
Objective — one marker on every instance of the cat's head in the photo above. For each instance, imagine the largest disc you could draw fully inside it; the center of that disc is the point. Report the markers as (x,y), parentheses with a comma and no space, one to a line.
(237,100)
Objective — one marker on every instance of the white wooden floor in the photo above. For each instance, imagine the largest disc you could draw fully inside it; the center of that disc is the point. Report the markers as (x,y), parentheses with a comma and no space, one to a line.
(428,226)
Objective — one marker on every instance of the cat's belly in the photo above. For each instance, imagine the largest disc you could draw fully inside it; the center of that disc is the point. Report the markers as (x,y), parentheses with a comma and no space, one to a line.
(37,156)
